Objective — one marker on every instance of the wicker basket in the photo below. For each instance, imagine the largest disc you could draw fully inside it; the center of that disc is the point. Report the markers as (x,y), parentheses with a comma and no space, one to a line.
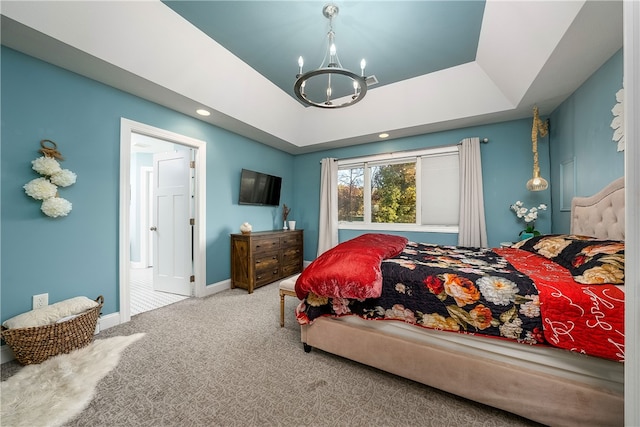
(37,344)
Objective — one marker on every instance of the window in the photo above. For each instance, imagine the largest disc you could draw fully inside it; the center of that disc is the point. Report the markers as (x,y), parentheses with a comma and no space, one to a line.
(416,190)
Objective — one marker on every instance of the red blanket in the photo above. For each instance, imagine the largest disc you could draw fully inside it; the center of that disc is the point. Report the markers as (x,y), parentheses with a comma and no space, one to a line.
(584,318)
(351,269)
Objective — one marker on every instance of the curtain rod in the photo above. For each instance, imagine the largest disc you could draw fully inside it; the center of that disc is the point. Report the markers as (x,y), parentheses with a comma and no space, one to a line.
(482,140)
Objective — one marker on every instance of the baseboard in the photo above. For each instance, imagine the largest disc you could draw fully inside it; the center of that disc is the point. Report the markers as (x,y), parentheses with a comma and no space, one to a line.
(108,321)
(6,355)
(214,288)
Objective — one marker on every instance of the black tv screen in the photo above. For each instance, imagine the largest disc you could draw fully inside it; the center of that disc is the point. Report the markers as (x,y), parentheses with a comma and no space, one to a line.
(259,189)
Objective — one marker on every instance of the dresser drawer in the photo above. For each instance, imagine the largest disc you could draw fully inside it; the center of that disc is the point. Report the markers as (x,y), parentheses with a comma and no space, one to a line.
(267,276)
(292,239)
(292,255)
(266,261)
(290,270)
(265,244)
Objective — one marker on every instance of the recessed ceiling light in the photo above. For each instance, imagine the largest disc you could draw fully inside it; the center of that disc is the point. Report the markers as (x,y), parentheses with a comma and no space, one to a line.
(203,112)
(383,135)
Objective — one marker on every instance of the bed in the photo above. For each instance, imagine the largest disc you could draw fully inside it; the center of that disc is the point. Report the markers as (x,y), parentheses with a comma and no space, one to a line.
(543,375)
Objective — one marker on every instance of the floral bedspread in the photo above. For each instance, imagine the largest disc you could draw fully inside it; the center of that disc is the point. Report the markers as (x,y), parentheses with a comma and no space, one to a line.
(507,293)
(469,290)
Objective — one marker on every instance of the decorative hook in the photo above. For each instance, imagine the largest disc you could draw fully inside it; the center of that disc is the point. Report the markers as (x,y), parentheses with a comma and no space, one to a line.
(49,151)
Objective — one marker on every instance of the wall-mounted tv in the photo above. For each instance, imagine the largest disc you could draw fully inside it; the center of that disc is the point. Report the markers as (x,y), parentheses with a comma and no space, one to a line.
(258,188)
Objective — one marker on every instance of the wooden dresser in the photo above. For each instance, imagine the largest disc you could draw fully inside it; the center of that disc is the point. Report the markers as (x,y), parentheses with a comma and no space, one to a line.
(259,258)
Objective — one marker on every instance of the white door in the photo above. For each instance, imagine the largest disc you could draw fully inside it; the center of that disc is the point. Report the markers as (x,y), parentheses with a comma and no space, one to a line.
(172,260)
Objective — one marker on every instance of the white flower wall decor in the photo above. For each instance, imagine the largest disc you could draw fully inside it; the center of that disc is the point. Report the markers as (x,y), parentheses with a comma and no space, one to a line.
(617,124)
(53,176)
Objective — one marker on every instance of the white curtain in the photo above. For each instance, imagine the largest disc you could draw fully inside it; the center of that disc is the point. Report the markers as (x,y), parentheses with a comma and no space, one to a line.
(328,223)
(472,229)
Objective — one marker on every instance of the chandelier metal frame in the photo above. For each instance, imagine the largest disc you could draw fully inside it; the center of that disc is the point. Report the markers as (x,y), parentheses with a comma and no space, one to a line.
(330,66)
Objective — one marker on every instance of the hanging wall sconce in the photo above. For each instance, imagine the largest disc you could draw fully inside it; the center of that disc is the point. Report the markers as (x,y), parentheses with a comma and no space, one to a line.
(537,183)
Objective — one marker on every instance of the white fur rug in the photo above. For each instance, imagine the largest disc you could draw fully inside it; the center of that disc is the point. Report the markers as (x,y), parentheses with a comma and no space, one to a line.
(53,392)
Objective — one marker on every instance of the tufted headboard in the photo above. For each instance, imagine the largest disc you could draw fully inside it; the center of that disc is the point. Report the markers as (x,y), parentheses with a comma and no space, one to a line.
(600,215)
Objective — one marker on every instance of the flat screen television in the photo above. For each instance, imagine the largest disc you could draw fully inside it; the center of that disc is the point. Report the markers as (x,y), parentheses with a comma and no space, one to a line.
(258,188)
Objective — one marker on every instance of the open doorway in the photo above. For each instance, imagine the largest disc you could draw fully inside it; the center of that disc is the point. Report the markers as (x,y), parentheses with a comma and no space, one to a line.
(153,164)
(138,143)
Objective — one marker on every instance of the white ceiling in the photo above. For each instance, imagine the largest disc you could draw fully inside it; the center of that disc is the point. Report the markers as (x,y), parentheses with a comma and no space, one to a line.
(528,53)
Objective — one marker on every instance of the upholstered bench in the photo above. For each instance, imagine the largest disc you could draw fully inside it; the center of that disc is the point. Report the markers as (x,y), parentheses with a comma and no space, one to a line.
(287,288)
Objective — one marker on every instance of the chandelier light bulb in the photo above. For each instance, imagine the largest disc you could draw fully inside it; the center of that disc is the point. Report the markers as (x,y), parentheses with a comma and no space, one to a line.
(332,50)
(300,64)
(363,64)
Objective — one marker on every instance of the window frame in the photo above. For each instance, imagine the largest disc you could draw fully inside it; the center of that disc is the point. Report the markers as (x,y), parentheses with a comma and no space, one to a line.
(391,158)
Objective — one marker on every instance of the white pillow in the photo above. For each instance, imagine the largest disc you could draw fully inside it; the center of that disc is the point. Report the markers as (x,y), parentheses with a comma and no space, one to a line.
(51,313)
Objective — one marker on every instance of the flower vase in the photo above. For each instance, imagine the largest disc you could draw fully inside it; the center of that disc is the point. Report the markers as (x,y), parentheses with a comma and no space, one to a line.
(285,225)
(529,232)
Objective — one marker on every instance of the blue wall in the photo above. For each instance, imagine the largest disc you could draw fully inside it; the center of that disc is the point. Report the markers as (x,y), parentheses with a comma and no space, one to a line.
(78,254)
(507,164)
(581,131)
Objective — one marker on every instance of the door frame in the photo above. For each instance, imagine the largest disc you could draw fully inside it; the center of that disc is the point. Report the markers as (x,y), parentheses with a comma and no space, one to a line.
(145,236)
(127,127)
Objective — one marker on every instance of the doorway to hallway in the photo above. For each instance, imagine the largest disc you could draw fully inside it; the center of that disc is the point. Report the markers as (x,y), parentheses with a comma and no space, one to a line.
(137,226)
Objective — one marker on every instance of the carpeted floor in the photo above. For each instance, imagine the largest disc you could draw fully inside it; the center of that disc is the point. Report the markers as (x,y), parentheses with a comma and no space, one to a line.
(225,361)
(58,389)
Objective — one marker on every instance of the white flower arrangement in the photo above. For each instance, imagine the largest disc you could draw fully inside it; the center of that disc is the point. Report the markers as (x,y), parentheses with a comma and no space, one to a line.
(46,188)
(528,214)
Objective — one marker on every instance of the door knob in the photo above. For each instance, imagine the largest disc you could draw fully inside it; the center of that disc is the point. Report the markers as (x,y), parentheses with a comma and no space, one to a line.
(153,228)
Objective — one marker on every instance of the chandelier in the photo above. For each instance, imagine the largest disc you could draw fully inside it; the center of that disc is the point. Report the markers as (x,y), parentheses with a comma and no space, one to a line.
(331,85)
(537,183)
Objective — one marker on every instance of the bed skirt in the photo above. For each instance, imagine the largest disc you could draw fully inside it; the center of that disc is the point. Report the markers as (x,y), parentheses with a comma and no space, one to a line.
(560,389)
